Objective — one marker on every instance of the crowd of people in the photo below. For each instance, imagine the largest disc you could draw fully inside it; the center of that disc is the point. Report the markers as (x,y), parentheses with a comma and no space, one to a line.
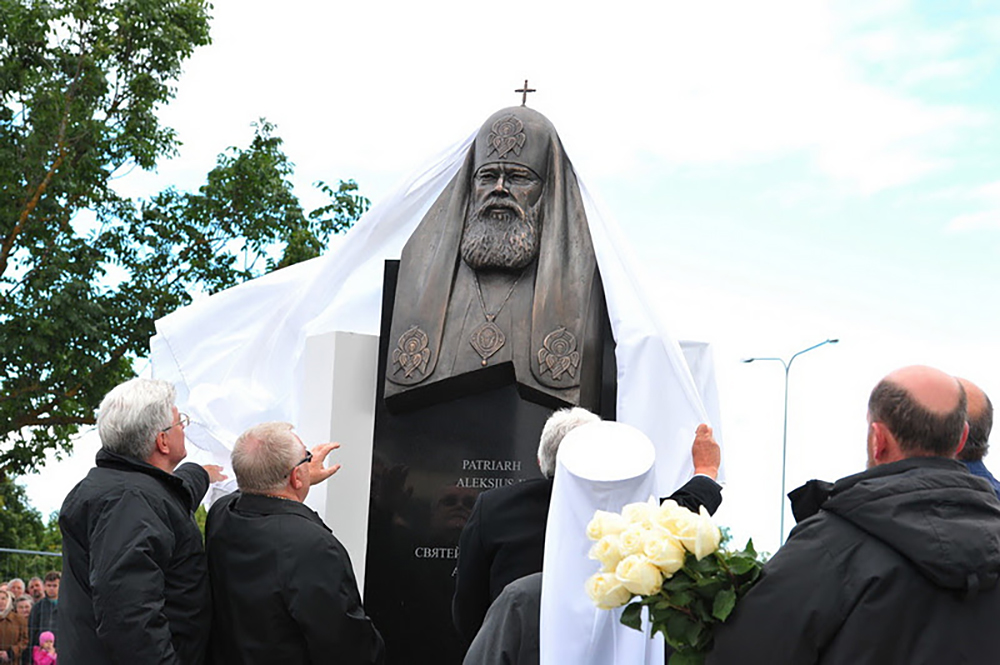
(914,539)
(28,620)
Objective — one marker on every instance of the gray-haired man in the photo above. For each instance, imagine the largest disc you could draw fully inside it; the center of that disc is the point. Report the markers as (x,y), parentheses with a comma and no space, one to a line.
(135,578)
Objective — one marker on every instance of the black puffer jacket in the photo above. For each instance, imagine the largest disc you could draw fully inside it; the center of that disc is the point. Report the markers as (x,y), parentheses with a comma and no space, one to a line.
(135,576)
(898,567)
(284,588)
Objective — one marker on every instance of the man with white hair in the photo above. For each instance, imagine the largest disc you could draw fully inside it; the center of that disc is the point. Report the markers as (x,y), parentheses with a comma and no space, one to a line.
(135,584)
(504,538)
(16,587)
(283,587)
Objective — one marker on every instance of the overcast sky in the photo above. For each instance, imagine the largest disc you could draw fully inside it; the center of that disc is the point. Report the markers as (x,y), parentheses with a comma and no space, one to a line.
(788,171)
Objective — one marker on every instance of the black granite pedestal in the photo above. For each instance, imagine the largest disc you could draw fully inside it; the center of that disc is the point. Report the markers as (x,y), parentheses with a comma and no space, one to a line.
(429,465)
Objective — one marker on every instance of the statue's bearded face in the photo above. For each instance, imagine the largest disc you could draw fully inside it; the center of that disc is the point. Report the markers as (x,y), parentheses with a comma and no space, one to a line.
(502,226)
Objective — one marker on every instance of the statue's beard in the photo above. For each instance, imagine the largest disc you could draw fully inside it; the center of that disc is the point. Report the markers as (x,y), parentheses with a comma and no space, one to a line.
(501,235)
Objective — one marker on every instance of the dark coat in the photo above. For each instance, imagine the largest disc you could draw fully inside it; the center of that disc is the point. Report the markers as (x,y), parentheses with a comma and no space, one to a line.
(898,567)
(283,587)
(43,617)
(135,579)
(504,540)
(510,632)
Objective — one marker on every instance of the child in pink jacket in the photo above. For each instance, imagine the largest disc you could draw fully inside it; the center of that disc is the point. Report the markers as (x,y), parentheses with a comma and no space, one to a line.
(45,653)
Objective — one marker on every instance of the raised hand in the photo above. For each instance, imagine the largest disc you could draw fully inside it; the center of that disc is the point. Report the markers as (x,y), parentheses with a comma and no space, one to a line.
(705,452)
(215,474)
(317,472)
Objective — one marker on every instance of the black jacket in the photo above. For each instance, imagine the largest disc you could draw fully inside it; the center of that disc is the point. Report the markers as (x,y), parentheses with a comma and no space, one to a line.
(898,567)
(135,579)
(43,617)
(504,539)
(283,587)
(510,632)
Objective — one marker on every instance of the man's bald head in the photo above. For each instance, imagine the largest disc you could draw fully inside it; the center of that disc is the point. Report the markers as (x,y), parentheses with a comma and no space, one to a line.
(923,408)
(980,423)
(263,456)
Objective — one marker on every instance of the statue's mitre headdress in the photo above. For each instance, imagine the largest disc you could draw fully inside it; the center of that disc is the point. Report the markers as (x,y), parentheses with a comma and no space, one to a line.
(565,277)
(503,139)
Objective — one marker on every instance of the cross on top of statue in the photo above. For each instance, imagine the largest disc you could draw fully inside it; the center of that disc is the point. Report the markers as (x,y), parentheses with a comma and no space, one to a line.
(524,93)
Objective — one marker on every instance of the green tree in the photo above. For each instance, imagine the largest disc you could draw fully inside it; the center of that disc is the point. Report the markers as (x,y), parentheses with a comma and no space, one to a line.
(84,271)
(21,526)
(201,517)
(244,221)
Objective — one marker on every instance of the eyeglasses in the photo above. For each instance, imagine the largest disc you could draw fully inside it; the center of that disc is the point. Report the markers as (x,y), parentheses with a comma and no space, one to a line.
(183,420)
(305,460)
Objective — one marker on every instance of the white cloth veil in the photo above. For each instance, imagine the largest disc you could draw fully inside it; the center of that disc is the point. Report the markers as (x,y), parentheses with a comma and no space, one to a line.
(600,466)
(236,357)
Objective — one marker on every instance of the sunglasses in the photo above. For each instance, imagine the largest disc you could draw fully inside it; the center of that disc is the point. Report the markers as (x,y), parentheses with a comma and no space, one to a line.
(305,460)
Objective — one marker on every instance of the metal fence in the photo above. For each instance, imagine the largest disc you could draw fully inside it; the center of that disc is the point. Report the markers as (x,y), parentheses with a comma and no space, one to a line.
(25,564)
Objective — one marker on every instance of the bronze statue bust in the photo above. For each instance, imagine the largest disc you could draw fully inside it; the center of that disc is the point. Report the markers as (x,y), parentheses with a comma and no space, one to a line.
(501,273)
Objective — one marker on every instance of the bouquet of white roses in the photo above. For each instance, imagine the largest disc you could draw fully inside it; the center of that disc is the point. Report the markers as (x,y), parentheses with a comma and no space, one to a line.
(668,559)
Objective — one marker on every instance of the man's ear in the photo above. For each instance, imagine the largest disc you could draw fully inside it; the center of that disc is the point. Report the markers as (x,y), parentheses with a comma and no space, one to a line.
(879,442)
(162,443)
(962,439)
(295,479)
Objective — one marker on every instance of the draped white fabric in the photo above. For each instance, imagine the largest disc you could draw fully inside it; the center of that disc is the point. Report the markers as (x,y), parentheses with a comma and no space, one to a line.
(236,357)
(600,466)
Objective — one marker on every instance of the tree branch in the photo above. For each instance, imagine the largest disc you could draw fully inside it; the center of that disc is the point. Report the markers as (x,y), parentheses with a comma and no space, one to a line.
(28,418)
(51,421)
(68,97)
(8,243)
(14,394)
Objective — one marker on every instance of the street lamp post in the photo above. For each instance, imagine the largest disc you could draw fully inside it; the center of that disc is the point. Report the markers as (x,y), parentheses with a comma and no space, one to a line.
(784,434)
